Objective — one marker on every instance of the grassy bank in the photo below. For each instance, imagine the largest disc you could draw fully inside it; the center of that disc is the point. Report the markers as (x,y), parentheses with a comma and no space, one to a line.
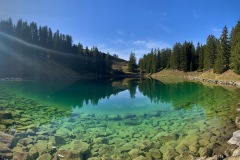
(206,76)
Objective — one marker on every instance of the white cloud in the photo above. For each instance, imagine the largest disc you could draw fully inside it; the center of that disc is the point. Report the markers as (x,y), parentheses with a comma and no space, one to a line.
(162,14)
(215,29)
(121,33)
(150,44)
(118,41)
(195,14)
(162,27)
(139,47)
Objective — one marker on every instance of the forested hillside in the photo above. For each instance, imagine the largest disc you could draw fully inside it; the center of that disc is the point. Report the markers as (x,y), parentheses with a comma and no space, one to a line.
(219,54)
(28,50)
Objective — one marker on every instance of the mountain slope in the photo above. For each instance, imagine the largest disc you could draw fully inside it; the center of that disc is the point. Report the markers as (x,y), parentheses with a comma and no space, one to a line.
(21,59)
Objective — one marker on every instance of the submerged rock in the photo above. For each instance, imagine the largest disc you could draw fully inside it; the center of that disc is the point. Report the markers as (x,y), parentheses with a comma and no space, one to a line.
(5,152)
(154,153)
(129,116)
(229,151)
(31,126)
(83,147)
(114,117)
(4,148)
(145,145)
(57,140)
(94,158)
(134,153)
(7,122)
(45,156)
(237,121)
(133,122)
(235,138)
(6,155)
(33,153)
(68,155)
(20,156)
(205,152)
(25,141)
(63,132)
(236,153)
(41,147)
(126,147)
(140,158)
(6,139)
(101,140)
(6,115)
(2,127)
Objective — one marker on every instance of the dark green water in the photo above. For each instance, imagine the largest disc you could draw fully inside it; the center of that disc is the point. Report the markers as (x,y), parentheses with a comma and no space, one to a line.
(150,118)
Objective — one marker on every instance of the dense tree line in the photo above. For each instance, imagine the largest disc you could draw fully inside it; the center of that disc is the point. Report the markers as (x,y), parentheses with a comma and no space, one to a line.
(85,59)
(132,63)
(155,60)
(219,54)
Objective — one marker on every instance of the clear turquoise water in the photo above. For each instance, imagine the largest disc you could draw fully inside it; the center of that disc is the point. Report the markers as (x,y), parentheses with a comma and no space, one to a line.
(178,119)
(99,96)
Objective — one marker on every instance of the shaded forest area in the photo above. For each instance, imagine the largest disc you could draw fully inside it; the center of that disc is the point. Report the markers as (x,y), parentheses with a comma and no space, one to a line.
(39,51)
(219,54)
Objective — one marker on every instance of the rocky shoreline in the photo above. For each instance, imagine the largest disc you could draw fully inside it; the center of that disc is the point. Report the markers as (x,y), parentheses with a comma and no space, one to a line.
(232,152)
(221,82)
(228,78)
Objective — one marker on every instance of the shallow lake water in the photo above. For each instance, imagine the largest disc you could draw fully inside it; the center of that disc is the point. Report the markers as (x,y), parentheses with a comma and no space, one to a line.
(119,119)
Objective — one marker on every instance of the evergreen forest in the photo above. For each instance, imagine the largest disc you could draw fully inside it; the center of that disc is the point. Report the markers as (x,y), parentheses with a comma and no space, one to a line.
(75,56)
(218,54)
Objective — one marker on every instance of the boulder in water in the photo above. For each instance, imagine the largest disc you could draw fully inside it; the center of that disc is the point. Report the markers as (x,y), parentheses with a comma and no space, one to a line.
(235,138)
(6,138)
(6,115)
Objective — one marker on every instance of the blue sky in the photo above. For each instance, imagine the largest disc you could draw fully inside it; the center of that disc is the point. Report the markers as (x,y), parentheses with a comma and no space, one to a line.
(124,26)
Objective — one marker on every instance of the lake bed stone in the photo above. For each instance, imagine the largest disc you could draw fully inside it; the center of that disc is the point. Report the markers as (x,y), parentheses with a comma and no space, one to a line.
(20,156)
(6,139)
(81,146)
(41,146)
(6,115)
(134,153)
(45,156)
(69,155)
(140,158)
(33,153)
(205,152)
(63,132)
(57,140)
(26,141)
(235,138)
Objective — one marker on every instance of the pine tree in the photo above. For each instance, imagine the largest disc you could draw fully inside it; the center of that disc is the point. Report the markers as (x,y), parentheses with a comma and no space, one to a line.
(7,26)
(175,56)
(18,28)
(235,49)
(193,58)
(154,63)
(34,33)
(132,62)
(50,38)
(223,53)
(56,40)
(210,52)
(43,36)
(200,53)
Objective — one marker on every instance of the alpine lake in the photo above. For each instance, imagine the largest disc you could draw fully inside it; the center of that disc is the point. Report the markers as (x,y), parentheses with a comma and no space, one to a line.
(116,119)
